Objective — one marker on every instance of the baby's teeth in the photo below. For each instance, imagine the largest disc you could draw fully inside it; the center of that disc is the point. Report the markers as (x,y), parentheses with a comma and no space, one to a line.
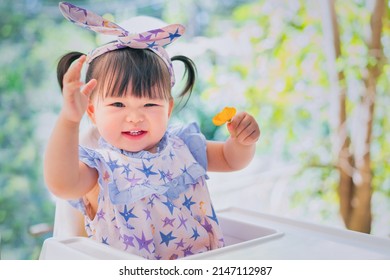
(136,132)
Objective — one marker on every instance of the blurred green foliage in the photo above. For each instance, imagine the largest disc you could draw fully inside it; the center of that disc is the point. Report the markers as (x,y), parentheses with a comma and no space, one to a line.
(291,87)
(24,200)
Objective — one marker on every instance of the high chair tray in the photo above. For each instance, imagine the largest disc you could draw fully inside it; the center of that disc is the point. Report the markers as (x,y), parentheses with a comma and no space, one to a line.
(249,235)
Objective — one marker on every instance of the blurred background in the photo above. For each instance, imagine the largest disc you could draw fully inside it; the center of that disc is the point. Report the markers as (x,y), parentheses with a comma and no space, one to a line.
(315,74)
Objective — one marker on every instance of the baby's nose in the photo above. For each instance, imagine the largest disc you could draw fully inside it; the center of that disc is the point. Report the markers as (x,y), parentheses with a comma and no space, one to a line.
(134,116)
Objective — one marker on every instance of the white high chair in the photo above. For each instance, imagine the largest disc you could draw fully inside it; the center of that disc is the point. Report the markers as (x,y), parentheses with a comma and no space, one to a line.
(248,235)
(68,221)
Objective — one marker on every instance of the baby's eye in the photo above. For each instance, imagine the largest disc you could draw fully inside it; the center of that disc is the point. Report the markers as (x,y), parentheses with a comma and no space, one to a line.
(118,104)
(150,105)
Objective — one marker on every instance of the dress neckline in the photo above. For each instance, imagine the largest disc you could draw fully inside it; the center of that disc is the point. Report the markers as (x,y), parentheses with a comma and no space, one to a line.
(161,147)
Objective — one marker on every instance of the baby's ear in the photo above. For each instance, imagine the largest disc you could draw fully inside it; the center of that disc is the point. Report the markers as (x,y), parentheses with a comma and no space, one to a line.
(91,113)
(171,105)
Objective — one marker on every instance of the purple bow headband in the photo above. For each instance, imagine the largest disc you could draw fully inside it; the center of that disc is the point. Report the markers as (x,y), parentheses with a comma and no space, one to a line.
(154,40)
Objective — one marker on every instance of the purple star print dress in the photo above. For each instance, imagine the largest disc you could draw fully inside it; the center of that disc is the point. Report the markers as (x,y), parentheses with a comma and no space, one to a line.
(155,205)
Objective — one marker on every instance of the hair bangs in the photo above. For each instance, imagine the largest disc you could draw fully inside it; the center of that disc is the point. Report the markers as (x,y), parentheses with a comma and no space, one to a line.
(138,72)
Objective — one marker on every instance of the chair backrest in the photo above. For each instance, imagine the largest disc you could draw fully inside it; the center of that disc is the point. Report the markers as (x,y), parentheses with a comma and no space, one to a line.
(68,222)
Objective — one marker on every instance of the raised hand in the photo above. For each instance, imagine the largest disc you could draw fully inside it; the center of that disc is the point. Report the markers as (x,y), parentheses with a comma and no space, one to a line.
(75,92)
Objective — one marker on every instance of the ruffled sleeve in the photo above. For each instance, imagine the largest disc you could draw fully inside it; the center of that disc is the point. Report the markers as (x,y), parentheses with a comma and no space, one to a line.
(195,141)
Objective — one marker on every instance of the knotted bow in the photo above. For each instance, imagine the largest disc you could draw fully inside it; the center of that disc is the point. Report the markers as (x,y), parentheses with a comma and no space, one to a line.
(154,40)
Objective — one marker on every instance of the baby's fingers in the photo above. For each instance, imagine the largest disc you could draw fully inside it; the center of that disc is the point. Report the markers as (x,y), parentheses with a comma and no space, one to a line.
(237,124)
(88,87)
(244,128)
(74,71)
(250,134)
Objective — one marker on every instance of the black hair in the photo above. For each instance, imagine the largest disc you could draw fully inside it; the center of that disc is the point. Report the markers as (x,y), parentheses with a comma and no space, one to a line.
(141,69)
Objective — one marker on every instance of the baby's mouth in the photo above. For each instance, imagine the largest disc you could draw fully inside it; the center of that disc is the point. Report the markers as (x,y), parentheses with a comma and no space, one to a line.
(134,132)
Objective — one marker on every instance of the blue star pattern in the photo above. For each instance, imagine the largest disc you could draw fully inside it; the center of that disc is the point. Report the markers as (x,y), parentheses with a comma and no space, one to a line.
(113,164)
(104,241)
(136,212)
(214,215)
(126,169)
(152,45)
(127,214)
(166,238)
(163,176)
(151,201)
(195,234)
(169,205)
(172,36)
(147,170)
(188,202)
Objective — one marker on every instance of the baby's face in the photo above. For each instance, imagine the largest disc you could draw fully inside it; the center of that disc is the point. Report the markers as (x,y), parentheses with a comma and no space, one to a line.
(131,123)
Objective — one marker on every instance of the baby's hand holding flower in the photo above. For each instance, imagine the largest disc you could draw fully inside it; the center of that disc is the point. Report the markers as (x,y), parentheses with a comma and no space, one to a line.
(242,126)
(244,129)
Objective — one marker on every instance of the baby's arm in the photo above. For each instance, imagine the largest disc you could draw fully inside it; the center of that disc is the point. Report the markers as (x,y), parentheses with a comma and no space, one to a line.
(239,148)
(65,175)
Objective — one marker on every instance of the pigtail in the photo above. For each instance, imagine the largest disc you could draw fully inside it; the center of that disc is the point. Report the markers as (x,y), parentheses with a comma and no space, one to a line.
(190,71)
(64,64)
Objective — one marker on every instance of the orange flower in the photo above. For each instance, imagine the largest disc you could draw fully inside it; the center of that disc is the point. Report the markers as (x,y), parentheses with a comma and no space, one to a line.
(224,116)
